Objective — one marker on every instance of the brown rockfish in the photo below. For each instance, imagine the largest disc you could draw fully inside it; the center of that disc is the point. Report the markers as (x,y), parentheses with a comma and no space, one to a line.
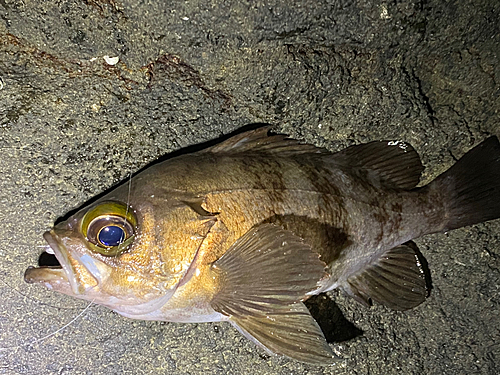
(246,230)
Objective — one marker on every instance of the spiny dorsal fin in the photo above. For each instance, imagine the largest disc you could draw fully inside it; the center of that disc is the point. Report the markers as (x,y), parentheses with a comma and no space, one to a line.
(392,164)
(397,279)
(263,277)
(259,140)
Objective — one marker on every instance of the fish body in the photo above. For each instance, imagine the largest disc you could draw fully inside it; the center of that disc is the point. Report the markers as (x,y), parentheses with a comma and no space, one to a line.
(246,230)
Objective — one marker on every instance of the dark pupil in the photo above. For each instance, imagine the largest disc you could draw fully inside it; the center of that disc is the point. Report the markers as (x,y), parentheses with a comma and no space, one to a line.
(111,235)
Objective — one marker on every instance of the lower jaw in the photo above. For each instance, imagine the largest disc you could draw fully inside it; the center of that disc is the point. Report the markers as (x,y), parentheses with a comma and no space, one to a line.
(53,278)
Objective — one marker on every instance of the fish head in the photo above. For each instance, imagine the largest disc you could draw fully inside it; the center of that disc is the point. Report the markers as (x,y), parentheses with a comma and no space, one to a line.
(127,253)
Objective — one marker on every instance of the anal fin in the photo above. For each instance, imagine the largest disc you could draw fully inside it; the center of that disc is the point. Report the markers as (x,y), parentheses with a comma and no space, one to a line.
(262,279)
(398,279)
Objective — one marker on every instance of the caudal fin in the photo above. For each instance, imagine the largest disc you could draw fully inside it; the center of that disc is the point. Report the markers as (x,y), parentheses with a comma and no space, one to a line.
(472,186)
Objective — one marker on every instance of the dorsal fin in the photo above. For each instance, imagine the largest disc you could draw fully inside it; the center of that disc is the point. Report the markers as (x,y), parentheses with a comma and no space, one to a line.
(392,164)
(259,140)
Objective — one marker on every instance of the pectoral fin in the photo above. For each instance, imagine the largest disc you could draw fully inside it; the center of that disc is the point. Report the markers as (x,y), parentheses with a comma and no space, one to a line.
(397,279)
(290,331)
(262,280)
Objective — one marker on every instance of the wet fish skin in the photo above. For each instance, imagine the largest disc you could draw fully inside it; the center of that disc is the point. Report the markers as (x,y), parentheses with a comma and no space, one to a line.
(248,229)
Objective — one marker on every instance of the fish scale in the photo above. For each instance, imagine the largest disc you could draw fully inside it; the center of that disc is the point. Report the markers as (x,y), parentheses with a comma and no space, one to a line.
(247,230)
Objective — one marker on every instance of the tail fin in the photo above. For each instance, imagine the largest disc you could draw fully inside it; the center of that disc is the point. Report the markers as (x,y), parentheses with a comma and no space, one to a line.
(472,186)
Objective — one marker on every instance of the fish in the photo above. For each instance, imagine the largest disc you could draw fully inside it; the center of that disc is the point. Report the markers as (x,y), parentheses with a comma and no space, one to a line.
(246,230)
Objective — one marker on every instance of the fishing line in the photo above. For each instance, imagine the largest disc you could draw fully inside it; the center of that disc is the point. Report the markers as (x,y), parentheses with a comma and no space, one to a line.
(122,239)
(129,188)
(29,298)
(50,334)
(19,149)
(128,200)
(36,154)
(32,299)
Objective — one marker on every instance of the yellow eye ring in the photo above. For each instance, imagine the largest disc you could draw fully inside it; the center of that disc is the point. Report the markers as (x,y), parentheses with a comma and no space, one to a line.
(109,228)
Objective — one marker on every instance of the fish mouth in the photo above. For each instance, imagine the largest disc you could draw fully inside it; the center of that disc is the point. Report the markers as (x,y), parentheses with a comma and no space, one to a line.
(55,270)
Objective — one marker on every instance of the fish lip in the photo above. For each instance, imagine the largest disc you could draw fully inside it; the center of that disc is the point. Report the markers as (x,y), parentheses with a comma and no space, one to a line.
(61,255)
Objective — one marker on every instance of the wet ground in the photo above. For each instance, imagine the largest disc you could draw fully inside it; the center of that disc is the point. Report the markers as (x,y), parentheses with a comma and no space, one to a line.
(91,91)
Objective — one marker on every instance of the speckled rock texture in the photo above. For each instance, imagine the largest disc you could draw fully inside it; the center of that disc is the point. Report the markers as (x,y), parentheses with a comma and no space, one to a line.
(93,90)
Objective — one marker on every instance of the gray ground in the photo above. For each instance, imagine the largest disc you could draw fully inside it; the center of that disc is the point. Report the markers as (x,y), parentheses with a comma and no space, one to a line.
(332,73)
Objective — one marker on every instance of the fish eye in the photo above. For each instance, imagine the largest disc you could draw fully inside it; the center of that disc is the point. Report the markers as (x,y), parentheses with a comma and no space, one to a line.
(111,235)
(109,231)
(109,228)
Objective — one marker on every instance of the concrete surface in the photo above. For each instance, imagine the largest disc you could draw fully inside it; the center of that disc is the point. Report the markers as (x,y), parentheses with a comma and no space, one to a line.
(329,72)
